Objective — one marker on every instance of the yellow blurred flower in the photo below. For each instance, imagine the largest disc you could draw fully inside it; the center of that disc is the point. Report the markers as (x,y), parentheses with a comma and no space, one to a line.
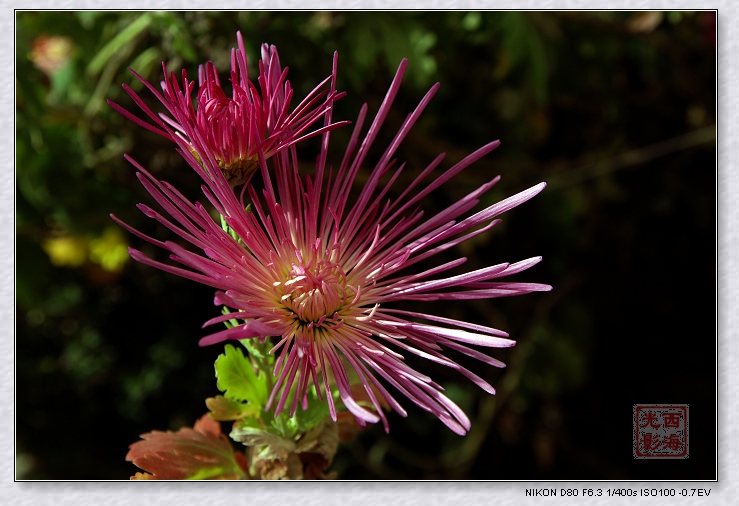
(110,250)
(66,251)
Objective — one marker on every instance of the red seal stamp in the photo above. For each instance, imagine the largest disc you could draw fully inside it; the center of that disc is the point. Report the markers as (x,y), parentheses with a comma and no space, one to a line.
(660,431)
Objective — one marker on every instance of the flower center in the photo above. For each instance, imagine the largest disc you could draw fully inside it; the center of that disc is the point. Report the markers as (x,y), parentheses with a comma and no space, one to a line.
(315,292)
(237,171)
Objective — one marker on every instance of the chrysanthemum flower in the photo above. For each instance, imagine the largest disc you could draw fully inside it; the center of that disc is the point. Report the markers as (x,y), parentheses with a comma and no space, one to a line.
(235,129)
(322,271)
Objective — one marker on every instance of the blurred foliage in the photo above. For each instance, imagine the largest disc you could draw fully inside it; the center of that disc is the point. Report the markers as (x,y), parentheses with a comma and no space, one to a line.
(615,110)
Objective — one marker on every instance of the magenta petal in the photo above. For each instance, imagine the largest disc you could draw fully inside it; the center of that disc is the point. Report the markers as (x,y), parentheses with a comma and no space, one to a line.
(250,329)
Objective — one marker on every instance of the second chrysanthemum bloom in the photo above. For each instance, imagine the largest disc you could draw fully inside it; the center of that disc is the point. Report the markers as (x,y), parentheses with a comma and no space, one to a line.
(321,270)
(235,130)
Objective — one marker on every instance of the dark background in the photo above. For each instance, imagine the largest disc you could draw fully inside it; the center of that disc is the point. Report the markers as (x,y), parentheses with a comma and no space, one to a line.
(615,110)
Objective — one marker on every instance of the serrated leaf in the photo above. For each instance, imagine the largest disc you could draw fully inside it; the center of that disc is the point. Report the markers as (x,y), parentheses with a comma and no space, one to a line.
(270,445)
(237,379)
(197,453)
(224,410)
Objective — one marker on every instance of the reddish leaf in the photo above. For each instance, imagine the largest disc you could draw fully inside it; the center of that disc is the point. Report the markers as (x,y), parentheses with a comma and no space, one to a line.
(206,425)
(189,454)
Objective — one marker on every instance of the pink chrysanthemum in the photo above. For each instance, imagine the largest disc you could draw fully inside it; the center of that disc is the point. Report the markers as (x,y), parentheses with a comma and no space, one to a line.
(321,272)
(235,129)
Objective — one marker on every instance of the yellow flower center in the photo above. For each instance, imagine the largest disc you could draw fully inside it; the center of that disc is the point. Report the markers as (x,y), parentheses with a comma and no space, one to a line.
(314,293)
(237,171)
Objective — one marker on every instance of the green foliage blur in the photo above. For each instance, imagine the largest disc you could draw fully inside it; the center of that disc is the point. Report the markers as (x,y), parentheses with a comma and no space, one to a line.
(615,110)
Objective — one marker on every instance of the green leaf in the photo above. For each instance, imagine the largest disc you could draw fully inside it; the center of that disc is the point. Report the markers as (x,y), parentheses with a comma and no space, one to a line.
(270,445)
(316,412)
(223,409)
(238,380)
(291,426)
(147,60)
(259,351)
(116,43)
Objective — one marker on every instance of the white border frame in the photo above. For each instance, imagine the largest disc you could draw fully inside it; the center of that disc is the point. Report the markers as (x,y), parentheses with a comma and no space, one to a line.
(389,493)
